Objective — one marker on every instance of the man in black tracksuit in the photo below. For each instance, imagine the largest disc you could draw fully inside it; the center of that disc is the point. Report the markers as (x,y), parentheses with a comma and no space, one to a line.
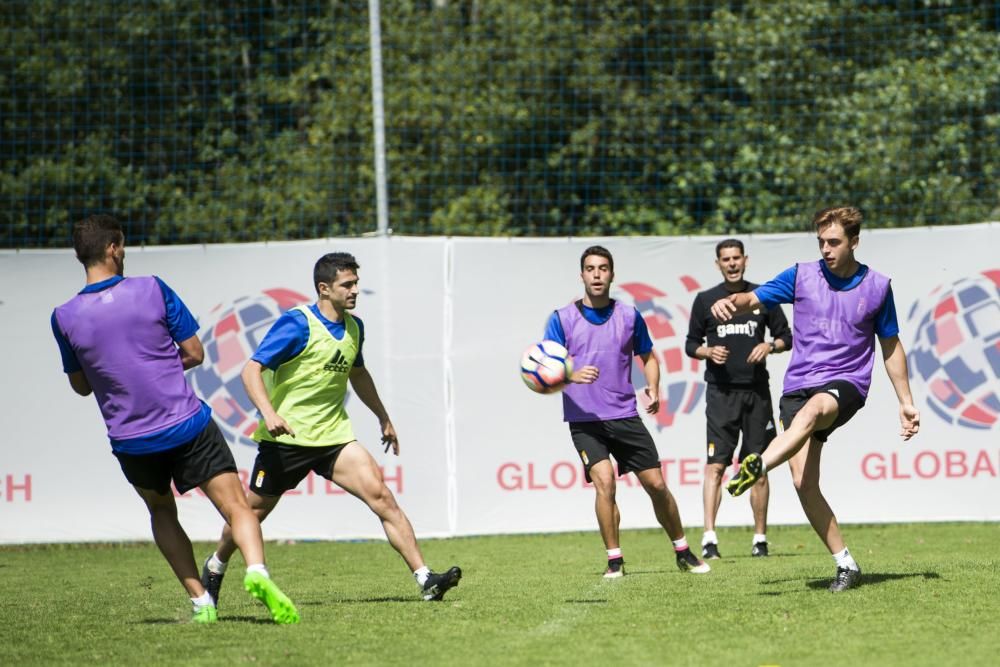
(738,397)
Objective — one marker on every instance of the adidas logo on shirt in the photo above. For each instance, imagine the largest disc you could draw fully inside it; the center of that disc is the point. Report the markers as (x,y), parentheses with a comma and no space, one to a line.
(337,364)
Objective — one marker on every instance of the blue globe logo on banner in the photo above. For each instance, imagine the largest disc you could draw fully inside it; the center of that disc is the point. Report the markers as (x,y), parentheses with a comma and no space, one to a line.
(956,352)
(231,334)
(681,384)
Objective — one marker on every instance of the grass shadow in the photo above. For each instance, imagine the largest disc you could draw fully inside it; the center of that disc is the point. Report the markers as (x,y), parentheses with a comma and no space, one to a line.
(256,620)
(387,598)
(586,601)
(823,583)
(770,556)
(875,578)
(160,621)
(629,572)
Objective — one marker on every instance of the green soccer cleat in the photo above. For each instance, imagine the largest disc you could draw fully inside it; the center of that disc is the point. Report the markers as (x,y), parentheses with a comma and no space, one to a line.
(282,609)
(206,614)
(750,472)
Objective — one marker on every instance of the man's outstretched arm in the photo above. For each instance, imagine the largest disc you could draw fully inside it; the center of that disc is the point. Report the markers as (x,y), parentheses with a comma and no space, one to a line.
(730,306)
(895,365)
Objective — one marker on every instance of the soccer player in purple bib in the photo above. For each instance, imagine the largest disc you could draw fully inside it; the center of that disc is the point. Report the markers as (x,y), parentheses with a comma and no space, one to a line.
(128,341)
(599,403)
(839,307)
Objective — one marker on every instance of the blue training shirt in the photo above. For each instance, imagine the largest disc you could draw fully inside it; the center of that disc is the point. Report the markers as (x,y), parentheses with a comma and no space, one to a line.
(781,289)
(182,325)
(288,337)
(641,342)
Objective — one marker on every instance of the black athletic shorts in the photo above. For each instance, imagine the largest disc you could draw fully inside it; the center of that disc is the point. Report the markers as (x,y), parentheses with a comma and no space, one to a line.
(188,465)
(625,439)
(730,411)
(281,467)
(849,401)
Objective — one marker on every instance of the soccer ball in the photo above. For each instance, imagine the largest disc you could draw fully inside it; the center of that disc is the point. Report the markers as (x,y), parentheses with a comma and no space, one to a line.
(546,366)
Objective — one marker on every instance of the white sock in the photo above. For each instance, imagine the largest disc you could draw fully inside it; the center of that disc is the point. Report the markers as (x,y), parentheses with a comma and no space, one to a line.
(709,537)
(845,559)
(259,567)
(216,566)
(681,544)
(614,553)
(204,601)
(759,537)
(421,574)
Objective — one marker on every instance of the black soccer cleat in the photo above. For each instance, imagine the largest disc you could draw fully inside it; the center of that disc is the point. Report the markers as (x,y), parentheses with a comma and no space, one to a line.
(759,550)
(688,562)
(846,578)
(211,581)
(616,569)
(710,551)
(438,584)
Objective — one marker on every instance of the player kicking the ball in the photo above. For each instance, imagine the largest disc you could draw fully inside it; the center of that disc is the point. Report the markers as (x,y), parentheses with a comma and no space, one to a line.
(839,307)
(128,341)
(599,403)
(298,379)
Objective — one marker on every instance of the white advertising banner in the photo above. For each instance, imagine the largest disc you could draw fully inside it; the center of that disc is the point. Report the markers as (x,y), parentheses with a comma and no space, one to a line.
(446,321)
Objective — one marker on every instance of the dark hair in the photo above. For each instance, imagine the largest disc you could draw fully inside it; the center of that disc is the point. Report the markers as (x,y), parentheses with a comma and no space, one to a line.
(93,235)
(329,265)
(847,217)
(600,251)
(728,243)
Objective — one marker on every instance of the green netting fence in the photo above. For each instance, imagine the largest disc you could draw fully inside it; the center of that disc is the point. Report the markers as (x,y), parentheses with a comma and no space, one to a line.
(211,121)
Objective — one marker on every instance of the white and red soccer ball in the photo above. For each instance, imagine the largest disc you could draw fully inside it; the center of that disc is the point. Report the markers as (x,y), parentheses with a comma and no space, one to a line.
(546,367)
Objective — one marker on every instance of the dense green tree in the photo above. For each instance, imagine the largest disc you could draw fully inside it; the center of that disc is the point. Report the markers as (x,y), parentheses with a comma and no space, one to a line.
(251,120)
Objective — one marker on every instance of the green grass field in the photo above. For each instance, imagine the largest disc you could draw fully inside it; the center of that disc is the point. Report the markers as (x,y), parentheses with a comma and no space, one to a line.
(931,596)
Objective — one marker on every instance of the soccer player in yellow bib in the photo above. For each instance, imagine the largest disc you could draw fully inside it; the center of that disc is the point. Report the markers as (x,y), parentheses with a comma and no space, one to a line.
(298,379)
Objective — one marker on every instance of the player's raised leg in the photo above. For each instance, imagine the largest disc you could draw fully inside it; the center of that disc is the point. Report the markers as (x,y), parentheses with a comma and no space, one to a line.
(818,413)
(357,472)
